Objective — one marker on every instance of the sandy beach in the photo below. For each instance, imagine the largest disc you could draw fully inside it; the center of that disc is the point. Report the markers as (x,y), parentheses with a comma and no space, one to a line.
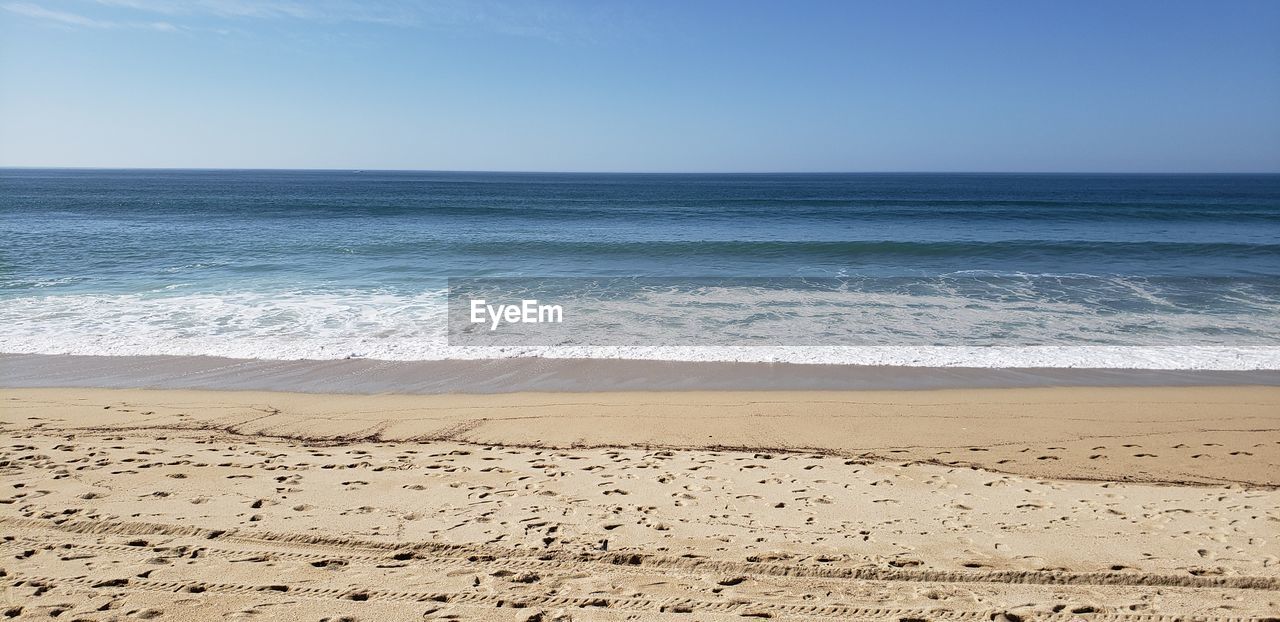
(975,504)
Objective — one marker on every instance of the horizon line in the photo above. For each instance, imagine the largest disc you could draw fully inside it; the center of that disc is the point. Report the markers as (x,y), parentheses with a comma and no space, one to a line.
(570,172)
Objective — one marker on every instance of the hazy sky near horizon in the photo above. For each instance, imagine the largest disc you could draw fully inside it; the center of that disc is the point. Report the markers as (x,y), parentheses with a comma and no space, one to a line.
(1162,86)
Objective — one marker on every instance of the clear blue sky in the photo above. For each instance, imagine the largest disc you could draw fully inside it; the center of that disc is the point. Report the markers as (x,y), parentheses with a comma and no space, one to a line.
(1073,85)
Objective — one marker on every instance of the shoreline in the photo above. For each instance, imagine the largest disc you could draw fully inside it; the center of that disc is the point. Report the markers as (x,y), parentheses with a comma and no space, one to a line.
(514,375)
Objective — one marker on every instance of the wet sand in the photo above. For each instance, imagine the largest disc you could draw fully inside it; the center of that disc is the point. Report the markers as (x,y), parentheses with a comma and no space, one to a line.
(1047,503)
(522,375)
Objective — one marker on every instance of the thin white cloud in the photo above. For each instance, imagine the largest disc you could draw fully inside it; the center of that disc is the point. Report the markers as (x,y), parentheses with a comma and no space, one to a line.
(548,19)
(34,11)
(66,18)
(223,8)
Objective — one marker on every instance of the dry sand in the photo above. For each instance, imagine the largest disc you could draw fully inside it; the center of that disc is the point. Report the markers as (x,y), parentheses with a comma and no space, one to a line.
(1149,504)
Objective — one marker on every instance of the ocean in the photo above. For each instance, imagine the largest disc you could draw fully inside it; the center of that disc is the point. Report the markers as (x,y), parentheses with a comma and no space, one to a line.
(970,270)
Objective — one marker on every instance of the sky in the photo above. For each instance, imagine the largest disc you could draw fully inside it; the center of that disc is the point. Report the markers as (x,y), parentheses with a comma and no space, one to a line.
(647,86)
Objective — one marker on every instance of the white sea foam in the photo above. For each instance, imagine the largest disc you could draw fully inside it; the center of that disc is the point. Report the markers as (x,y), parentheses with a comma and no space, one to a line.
(310,325)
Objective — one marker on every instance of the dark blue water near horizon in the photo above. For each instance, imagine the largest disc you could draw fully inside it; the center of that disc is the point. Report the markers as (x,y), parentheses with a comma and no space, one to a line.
(112,227)
(74,243)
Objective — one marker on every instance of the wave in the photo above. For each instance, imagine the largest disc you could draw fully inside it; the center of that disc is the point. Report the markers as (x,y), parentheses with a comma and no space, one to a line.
(290,325)
(1009,249)
(865,211)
